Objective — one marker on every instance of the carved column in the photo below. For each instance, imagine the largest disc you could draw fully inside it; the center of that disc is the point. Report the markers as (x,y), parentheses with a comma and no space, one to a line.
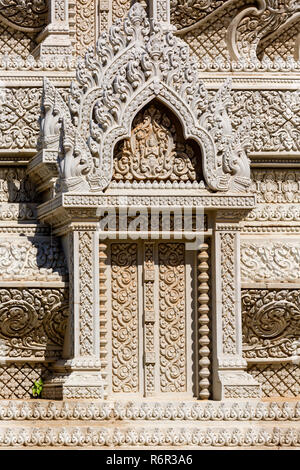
(54,39)
(203,320)
(105,8)
(103,314)
(78,376)
(230,379)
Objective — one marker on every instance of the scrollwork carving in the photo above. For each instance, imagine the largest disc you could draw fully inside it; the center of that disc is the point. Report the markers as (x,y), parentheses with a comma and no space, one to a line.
(270,261)
(172,317)
(273,116)
(253,24)
(185,13)
(270,323)
(32,322)
(125,375)
(34,259)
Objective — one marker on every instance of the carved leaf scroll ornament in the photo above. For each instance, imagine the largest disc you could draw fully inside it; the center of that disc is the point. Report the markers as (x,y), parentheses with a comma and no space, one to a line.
(132,65)
(23,15)
(252,25)
(270,322)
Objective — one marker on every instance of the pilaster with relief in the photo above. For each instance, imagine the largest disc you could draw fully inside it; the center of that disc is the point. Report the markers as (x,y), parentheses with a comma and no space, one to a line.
(229,368)
(78,374)
(54,41)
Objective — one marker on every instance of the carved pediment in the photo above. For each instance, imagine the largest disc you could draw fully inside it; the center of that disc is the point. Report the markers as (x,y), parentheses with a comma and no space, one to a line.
(156,150)
(133,65)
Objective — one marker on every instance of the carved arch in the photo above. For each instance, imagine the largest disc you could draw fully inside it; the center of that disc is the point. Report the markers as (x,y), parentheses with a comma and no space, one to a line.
(132,65)
(157,151)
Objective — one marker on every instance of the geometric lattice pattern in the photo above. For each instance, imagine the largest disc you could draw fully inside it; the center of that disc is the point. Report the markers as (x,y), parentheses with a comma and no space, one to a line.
(15,43)
(16,380)
(277,380)
(209,44)
(283,46)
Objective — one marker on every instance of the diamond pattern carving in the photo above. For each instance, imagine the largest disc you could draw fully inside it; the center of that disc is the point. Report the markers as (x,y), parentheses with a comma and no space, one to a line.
(277,379)
(15,43)
(16,380)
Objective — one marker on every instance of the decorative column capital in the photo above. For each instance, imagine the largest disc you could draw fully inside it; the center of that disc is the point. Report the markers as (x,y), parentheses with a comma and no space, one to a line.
(54,39)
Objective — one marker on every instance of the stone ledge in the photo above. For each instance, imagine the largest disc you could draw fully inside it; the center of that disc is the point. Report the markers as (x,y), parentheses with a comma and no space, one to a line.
(145,437)
(192,411)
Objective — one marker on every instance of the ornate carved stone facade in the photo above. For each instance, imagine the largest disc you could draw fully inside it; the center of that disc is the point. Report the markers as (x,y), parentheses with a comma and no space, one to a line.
(149,219)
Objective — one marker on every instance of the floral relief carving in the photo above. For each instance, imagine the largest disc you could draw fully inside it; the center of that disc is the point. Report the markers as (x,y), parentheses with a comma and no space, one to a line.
(19,126)
(125,376)
(154,151)
(34,259)
(172,317)
(253,24)
(270,261)
(15,186)
(270,323)
(86,292)
(85,25)
(274,116)
(277,193)
(149,319)
(187,12)
(119,9)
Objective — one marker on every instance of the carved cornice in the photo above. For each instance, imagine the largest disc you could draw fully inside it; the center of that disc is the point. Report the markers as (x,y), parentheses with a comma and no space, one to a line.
(66,207)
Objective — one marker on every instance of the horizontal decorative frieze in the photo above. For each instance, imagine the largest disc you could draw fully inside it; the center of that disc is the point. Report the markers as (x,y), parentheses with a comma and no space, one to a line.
(149,410)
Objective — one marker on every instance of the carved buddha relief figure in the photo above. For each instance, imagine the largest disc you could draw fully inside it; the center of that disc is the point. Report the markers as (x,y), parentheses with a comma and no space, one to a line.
(156,150)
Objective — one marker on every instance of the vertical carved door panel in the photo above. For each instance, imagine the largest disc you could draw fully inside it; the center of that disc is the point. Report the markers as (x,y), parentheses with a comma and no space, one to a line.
(152,319)
(125,335)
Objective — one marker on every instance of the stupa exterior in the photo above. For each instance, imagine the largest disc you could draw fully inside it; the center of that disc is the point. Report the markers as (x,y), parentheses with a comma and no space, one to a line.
(149,245)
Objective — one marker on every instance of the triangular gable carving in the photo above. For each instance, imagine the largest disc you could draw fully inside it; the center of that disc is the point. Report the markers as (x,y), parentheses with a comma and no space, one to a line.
(134,64)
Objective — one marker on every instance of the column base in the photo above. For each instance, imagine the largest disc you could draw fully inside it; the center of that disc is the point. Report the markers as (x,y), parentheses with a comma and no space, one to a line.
(54,43)
(232,384)
(77,384)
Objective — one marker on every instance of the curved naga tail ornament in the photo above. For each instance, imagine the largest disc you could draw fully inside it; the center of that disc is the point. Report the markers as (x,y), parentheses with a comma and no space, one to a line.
(133,64)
